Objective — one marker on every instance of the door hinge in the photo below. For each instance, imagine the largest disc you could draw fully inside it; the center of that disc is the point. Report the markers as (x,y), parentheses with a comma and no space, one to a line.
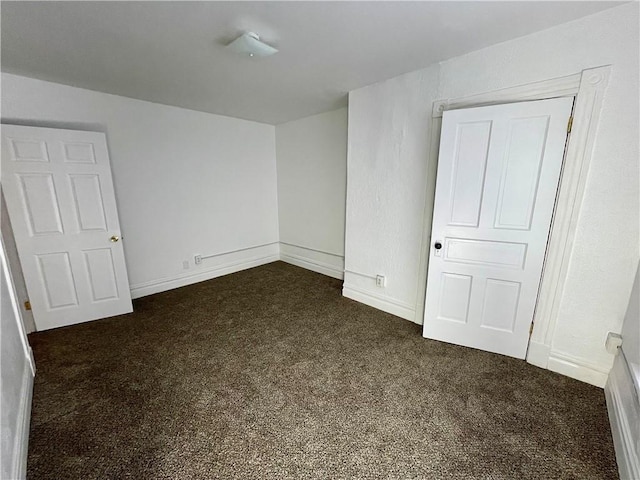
(531,329)
(570,124)
(27,305)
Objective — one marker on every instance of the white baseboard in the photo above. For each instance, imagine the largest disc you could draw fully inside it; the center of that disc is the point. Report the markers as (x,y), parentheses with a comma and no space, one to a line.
(386,304)
(624,415)
(225,264)
(23,421)
(318,261)
(538,354)
(577,368)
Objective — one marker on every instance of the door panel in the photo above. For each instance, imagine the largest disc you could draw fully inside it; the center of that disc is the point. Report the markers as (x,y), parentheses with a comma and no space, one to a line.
(88,202)
(60,198)
(79,152)
(102,273)
(455,297)
(472,140)
(27,150)
(40,204)
(521,173)
(483,252)
(498,172)
(57,280)
(500,303)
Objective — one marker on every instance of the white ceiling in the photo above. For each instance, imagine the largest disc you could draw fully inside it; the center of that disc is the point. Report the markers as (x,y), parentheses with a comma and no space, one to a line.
(172,52)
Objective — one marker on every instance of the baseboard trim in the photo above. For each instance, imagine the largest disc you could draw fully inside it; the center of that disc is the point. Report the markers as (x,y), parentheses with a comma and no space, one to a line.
(162,285)
(577,368)
(317,261)
(389,305)
(314,266)
(538,354)
(624,409)
(544,356)
(21,441)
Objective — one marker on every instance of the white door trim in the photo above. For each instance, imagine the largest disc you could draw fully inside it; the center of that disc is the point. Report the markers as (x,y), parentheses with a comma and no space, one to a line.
(588,87)
(23,415)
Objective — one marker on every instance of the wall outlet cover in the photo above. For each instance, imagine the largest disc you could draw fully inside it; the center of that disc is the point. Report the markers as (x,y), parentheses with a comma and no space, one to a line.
(613,342)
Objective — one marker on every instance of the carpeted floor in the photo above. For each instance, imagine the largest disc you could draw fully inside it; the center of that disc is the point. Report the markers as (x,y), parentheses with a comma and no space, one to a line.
(271,374)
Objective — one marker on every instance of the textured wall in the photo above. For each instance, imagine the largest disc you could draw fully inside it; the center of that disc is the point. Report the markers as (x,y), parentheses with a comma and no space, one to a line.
(386,185)
(388,141)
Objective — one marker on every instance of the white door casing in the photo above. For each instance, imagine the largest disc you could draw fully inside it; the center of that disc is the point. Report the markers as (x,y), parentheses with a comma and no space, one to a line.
(498,172)
(61,203)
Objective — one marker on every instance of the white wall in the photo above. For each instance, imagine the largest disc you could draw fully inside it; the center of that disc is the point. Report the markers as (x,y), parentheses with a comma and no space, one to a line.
(599,280)
(16,379)
(387,177)
(312,169)
(631,330)
(622,389)
(186,182)
(386,187)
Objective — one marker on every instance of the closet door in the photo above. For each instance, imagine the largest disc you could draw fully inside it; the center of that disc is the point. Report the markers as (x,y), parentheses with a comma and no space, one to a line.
(498,173)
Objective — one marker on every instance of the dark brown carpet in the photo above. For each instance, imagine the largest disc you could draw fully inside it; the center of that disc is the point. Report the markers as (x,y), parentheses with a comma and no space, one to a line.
(271,373)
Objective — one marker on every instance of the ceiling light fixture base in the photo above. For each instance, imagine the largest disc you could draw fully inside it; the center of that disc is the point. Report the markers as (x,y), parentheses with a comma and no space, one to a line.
(249,44)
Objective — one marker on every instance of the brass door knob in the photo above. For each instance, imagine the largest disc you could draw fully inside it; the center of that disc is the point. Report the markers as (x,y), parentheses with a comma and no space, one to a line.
(114,238)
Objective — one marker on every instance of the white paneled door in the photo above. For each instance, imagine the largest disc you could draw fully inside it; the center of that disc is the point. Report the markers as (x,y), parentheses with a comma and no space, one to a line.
(498,173)
(61,202)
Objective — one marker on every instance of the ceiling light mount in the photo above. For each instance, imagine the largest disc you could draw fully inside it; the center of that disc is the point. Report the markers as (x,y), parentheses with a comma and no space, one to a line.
(249,44)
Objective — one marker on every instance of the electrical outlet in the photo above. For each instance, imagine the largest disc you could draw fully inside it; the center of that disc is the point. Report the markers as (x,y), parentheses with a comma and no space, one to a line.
(185,264)
(381,281)
(613,342)
(197,259)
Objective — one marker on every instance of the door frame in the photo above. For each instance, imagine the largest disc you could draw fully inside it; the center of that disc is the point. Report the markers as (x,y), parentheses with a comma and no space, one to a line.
(588,88)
